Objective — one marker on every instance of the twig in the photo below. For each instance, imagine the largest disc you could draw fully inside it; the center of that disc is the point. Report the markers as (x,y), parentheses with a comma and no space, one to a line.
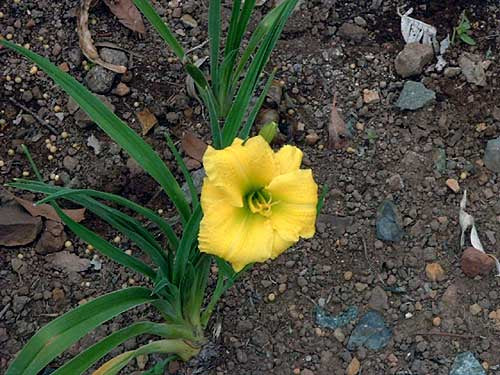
(35,116)
(196,47)
(458,336)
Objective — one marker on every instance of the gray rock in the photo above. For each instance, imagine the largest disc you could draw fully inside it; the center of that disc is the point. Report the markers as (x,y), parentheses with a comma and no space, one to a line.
(188,20)
(360,21)
(68,262)
(100,80)
(93,142)
(371,332)
(70,163)
(492,155)
(19,302)
(114,56)
(414,96)
(452,71)
(496,113)
(388,223)
(378,299)
(52,239)
(352,32)
(466,364)
(81,118)
(197,177)
(413,58)
(472,68)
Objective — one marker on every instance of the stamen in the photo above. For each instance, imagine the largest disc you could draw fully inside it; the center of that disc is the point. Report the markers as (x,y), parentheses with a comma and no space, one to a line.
(260,202)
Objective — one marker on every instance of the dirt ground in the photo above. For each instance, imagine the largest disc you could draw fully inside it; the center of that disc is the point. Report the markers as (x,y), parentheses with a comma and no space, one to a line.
(392,154)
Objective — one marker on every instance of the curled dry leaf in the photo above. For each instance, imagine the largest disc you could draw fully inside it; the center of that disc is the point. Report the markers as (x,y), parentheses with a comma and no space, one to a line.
(127,14)
(337,129)
(86,42)
(147,119)
(47,211)
(193,146)
(466,220)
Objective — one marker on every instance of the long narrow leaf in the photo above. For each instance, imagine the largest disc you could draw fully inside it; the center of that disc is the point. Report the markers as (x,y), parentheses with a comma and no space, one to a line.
(245,132)
(185,172)
(160,26)
(173,346)
(61,333)
(233,28)
(105,247)
(187,240)
(114,127)
(214,27)
(141,210)
(84,360)
(247,88)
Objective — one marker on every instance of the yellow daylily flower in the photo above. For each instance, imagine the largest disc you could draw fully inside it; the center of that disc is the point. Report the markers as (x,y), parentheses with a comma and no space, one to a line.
(256,203)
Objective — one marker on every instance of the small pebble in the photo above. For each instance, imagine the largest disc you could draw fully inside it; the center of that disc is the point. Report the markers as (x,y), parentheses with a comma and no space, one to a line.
(347,275)
(436,322)
(117,239)
(271,297)
(453,185)
(475,309)
(68,244)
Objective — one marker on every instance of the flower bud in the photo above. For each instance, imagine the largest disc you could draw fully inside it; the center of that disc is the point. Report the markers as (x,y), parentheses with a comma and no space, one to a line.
(269,131)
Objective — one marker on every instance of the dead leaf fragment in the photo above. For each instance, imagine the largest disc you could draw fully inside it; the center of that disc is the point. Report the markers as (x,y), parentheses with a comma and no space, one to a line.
(86,42)
(147,119)
(193,146)
(337,129)
(47,211)
(127,14)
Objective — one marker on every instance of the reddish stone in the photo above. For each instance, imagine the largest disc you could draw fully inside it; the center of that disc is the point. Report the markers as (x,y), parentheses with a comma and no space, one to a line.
(474,262)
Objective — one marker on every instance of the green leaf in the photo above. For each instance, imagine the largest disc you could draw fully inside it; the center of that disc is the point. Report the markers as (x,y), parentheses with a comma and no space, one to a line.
(197,75)
(159,367)
(467,39)
(84,360)
(247,88)
(185,172)
(194,285)
(245,132)
(188,239)
(321,199)
(92,238)
(177,346)
(233,28)
(145,212)
(114,127)
(214,28)
(160,26)
(63,332)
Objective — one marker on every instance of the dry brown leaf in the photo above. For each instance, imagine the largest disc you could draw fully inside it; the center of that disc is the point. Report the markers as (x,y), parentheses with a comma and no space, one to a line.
(86,42)
(49,212)
(127,14)
(337,129)
(193,146)
(147,119)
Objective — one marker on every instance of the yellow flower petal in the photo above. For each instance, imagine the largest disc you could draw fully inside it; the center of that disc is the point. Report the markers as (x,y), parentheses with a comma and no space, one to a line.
(294,214)
(232,233)
(288,158)
(279,245)
(240,168)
